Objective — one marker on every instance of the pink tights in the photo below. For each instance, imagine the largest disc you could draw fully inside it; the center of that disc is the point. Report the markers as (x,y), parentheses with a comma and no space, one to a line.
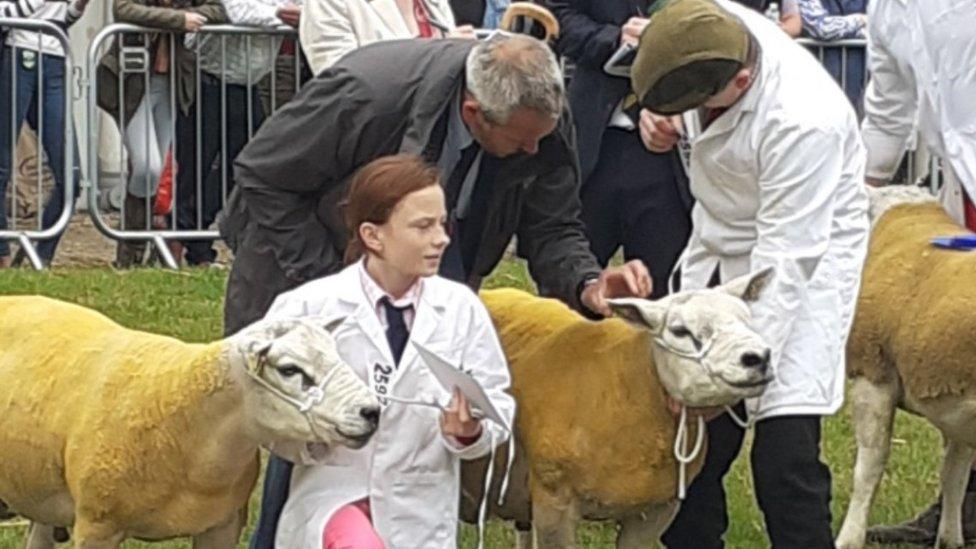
(351,527)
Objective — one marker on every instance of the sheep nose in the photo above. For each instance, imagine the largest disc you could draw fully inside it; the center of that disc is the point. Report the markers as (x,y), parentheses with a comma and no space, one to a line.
(756,360)
(371,414)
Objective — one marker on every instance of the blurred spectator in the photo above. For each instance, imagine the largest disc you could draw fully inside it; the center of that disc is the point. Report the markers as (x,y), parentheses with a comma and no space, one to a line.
(786,14)
(333,28)
(632,198)
(828,20)
(226,114)
(485,14)
(147,119)
(38,99)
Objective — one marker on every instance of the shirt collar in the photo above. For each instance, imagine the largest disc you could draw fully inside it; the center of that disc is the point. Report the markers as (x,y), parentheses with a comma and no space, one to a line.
(375,294)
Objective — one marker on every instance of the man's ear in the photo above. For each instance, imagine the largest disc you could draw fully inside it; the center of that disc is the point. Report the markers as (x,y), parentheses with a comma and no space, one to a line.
(639,312)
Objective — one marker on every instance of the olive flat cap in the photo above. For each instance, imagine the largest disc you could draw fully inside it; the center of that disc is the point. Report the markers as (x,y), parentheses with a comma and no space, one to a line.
(688,52)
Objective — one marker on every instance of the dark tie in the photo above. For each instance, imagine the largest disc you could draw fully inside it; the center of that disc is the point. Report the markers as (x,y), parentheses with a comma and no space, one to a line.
(396,328)
(452,265)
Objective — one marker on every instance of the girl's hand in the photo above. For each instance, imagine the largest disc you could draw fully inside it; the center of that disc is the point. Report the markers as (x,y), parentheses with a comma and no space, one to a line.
(456,419)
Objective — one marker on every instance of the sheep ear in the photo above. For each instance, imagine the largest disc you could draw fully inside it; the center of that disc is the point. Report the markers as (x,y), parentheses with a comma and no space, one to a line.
(640,312)
(749,287)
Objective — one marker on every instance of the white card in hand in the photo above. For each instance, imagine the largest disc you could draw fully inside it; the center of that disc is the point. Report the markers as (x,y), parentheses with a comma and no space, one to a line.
(451,377)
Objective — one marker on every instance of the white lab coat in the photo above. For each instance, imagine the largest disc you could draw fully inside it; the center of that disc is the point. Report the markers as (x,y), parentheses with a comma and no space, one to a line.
(779,181)
(409,471)
(922,57)
(329,29)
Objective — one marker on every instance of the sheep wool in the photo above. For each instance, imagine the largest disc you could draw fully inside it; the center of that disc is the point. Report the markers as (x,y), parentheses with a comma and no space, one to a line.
(592,412)
(114,414)
(916,305)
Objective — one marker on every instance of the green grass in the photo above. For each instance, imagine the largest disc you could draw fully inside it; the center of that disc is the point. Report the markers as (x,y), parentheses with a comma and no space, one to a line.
(188,305)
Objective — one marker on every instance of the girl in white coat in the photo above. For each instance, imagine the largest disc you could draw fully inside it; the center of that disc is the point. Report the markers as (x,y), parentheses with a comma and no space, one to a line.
(402,488)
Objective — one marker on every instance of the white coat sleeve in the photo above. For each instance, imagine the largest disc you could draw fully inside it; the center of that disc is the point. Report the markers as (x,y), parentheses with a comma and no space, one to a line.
(799,174)
(484,360)
(326,33)
(890,105)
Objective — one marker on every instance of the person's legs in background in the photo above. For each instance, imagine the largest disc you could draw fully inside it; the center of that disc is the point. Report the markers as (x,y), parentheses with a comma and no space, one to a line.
(54,124)
(191,185)
(12,67)
(219,182)
(147,138)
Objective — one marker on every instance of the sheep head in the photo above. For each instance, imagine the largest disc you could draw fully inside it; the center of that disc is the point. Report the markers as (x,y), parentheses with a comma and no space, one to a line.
(299,389)
(704,348)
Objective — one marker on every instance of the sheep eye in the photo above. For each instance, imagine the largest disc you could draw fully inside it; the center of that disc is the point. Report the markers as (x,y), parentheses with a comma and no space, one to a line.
(291,371)
(680,331)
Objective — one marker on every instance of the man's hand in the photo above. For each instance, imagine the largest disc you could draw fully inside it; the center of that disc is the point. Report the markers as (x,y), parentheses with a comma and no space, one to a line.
(631,31)
(193,21)
(792,24)
(463,31)
(290,14)
(708,414)
(456,419)
(659,133)
(628,280)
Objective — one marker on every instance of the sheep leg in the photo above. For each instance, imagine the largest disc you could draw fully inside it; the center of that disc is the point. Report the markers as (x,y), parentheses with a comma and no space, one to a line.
(91,535)
(523,538)
(224,536)
(644,528)
(554,519)
(39,536)
(873,411)
(955,472)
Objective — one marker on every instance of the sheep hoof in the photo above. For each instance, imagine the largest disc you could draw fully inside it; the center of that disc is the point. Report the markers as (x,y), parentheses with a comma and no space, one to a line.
(61,535)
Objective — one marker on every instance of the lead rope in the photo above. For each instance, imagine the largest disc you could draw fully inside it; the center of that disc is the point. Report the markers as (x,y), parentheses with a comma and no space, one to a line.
(680,447)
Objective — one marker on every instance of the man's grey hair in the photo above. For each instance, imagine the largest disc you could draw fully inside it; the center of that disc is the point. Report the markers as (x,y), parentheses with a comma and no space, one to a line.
(507,72)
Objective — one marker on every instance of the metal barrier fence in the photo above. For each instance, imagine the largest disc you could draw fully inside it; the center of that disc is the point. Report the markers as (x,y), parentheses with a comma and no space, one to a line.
(200,127)
(28,76)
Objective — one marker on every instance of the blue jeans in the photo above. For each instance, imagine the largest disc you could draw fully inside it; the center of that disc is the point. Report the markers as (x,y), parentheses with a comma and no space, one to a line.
(26,104)
(277,480)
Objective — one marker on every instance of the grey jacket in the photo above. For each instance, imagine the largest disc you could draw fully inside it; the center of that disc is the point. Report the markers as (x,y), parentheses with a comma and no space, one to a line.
(282,218)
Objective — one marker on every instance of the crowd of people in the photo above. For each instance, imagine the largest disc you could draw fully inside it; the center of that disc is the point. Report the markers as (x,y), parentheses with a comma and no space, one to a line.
(402,171)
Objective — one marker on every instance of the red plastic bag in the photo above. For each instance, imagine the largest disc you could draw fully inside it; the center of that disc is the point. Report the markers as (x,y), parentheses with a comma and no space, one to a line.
(164,195)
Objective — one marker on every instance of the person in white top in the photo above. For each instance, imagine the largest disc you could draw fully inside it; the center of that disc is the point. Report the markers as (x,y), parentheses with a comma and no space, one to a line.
(330,29)
(778,174)
(922,59)
(402,488)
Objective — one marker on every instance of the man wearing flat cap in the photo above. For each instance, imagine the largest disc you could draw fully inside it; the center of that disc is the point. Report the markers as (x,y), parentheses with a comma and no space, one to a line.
(777,169)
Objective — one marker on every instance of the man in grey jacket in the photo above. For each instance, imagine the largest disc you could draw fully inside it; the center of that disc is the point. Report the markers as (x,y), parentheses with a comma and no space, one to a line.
(491,115)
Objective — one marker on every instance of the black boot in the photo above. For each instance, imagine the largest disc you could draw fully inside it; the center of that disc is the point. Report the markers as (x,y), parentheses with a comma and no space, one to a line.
(924,528)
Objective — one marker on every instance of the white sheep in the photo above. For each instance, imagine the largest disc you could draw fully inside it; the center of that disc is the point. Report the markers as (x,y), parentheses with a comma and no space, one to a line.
(121,433)
(595,436)
(911,347)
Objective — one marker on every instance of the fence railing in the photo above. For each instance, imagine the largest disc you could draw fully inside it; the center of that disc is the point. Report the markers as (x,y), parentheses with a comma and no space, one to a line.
(26,73)
(198,128)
